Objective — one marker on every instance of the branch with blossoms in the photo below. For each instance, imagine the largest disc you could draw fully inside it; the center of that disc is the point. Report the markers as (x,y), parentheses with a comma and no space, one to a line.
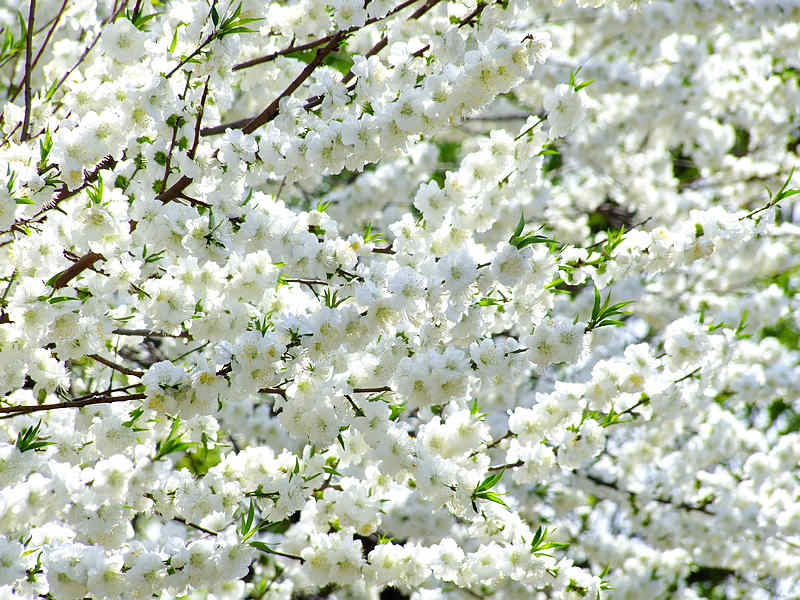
(89,400)
(316,406)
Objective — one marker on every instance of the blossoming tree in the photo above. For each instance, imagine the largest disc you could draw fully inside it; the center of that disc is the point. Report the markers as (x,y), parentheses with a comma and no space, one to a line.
(399,299)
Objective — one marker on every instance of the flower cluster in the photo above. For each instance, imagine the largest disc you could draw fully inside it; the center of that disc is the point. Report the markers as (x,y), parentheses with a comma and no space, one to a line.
(428,299)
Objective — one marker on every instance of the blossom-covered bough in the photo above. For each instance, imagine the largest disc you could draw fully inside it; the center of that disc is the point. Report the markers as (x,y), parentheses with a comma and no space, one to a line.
(381,299)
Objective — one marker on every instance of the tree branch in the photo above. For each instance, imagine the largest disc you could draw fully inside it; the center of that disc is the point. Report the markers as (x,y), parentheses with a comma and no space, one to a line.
(28,68)
(199,120)
(115,366)
(291,48)
(271,111)
(83,263)
(54,24)
(88,49)
(12,411)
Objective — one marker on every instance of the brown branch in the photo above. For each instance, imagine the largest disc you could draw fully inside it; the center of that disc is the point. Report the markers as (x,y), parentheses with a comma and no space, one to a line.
(291,48)
(105,393)
(88,49)
(384,41)
(148,333)
(199,120)
(374,390)
(83,263)
(177,125)
(12,411)
(519,463)
(495,443)
(473,15)
(62,194)
(278,553)
(603,242)
(194,526)
(176,190)
(273,390)
(682,505)
(115,366)
(193,201)
(308,282)
(211,37)
(168,161)
(423,9)
(347,275)
(28,42)
(8,137)
(271,111)
(54,22)
(249,125)
(288,50)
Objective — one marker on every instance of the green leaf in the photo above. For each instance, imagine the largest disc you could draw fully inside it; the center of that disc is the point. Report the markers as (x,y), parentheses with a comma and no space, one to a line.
(492,497)
(29,439)
(573,75)
(601,315)
(134,416)
(540,543)
(173,44)
(45,145)
(51,90)
(520,241)
(59,299)
(173,443)
(520,226)
(489,482)
(246,529)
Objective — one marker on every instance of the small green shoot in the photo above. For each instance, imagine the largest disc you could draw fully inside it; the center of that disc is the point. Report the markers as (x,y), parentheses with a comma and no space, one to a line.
(29,439)
(483,490)
(602,316)
(519,241)
(173,443)
(539,543)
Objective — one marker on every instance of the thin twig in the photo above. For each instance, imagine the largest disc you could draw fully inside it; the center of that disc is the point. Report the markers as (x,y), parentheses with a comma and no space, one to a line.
(271,111)
(88,49)
(148,333)
(194,526)
(291,48)
(53,26)
(473,15)
(495,443)
(199,120)
(13,411)
(28,68)
(519,463)
(63,193)
(602,242)
(115,366)
(688,375)
(8,136)
(308,282)
(682,505)
(211,37)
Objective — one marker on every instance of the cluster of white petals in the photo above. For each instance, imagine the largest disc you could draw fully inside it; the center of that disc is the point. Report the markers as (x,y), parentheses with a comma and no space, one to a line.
(422,299)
